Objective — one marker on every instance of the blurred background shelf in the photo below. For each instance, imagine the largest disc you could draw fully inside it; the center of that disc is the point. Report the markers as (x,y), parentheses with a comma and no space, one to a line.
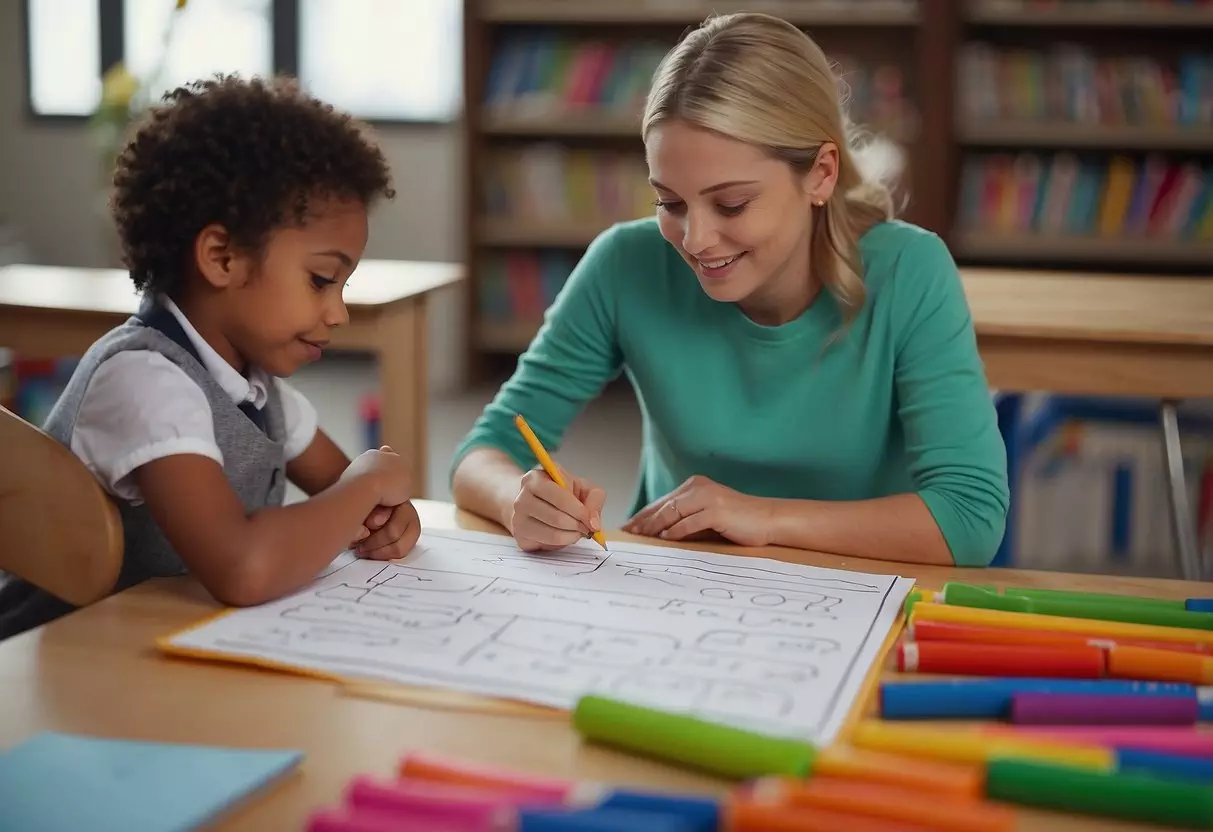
(580,123)
(1090,13)
(800,12)
(1077,136)
(1064,134)
(511,233)
(505,336)
(1015,247)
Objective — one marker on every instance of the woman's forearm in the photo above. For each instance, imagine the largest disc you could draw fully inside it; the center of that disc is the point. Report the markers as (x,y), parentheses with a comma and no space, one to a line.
(899,527)
(486,484)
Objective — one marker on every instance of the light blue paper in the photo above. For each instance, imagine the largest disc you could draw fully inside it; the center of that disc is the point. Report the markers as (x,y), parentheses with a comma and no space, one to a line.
(58,782)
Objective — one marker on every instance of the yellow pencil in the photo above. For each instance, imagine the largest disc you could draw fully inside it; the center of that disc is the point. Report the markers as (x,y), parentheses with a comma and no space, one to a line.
(1092,627)
(549,466)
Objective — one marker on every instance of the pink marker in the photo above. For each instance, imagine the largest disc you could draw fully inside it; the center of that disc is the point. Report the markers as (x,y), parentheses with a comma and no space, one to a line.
(438,803)
(1185,741)
(344,820)
(421,765)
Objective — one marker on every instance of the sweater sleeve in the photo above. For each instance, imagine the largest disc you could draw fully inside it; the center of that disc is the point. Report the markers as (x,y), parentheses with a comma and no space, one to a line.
(575,353)
(957,457)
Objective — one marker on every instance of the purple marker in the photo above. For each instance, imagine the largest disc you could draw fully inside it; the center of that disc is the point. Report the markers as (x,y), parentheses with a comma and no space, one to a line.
(1089,709)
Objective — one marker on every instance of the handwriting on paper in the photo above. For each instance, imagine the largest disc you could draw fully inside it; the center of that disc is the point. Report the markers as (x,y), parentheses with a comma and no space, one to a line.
(754,642)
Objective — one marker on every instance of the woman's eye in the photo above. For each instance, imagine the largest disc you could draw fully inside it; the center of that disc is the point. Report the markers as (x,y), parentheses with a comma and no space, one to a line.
(731,210)
(322,282)
(668,205)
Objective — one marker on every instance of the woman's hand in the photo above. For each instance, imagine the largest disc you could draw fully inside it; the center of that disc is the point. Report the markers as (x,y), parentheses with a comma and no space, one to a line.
(700,506)
(547,517)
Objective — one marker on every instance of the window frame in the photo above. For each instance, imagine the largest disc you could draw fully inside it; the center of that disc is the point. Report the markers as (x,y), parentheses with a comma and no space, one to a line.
(284,50)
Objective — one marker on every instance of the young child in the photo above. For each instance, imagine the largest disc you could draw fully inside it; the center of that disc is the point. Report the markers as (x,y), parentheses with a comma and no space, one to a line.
(242,211)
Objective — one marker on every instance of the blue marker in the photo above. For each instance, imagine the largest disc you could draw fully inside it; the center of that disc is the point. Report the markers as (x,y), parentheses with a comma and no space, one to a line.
(597,820)
(1179,766)
(991,698)
(1199,605)
(700,814)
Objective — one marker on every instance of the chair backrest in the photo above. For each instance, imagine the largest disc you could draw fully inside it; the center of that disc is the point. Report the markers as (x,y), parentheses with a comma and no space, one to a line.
(59,529)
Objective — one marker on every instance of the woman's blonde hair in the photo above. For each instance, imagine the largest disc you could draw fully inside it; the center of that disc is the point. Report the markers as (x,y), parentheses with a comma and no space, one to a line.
(760,80)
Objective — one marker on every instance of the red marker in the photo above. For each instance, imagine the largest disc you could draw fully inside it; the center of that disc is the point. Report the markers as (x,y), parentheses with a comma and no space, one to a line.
(961,659)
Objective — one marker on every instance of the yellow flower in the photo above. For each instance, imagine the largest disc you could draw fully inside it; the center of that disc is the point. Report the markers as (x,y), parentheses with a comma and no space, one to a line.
(118,86)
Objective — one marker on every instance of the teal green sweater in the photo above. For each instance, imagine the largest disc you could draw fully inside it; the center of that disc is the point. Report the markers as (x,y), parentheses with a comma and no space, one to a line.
(897,404)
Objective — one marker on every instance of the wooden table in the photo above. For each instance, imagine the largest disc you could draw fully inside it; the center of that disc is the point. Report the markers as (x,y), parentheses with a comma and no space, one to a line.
(96,671)
(1100,335)
(52,312)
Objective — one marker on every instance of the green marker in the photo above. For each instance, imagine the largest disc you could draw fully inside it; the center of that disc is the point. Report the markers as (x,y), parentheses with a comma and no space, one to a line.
(696,743)
(1137,797)
(986,598)
(964,595)
(1065,595)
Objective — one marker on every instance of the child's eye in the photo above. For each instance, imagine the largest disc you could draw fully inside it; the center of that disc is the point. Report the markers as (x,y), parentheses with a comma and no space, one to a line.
(320,283)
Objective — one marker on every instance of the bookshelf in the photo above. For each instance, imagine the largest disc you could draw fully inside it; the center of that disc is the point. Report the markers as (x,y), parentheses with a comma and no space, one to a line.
(998,103)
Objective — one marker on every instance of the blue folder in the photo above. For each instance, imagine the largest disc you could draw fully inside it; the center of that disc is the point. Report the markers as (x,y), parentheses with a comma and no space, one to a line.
(56,782)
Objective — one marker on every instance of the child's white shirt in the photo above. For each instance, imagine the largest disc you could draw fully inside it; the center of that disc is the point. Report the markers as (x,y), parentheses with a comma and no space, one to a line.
(139,406)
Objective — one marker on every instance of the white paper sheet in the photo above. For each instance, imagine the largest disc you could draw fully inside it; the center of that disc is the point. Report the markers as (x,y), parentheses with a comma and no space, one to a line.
(766,645)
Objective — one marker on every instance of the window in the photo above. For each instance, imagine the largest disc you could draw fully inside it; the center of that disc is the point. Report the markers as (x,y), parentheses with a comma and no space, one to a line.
(206,37)
(64,56)
(383,60)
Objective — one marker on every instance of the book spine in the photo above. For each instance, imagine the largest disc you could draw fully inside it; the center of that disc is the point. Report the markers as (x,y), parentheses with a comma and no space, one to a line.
(1055,193)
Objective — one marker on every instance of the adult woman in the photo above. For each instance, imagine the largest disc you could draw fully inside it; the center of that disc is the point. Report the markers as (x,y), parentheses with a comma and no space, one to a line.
(806,365)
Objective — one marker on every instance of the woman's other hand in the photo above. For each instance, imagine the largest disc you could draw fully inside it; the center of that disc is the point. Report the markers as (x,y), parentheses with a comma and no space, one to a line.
(701,506)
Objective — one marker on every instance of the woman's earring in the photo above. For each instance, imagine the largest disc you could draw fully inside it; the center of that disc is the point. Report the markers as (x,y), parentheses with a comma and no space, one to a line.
(820,202)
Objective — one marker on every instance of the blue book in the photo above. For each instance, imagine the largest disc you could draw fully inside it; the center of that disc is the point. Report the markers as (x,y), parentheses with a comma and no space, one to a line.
(57,782)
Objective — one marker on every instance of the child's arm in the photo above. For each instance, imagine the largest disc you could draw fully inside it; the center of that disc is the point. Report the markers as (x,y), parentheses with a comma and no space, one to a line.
(313,460)
(246,559)
(318,467)
(387,532)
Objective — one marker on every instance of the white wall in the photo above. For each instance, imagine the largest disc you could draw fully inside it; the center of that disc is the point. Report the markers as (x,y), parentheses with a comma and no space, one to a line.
(50,177)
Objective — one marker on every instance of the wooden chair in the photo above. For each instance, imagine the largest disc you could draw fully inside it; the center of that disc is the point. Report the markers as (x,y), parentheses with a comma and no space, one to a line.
(59,530)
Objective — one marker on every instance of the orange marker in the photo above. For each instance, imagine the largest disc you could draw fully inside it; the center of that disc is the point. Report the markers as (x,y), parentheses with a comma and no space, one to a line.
(743,815)
(549,466)
(421,765)
(893,803)
(951,779)
(977,634)
(1143,663)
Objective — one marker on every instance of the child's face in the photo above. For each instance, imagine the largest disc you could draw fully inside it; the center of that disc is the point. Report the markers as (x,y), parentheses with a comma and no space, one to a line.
(282,315)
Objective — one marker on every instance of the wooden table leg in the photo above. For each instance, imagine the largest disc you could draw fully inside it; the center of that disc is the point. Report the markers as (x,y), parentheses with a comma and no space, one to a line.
(403,385)
(1177,493)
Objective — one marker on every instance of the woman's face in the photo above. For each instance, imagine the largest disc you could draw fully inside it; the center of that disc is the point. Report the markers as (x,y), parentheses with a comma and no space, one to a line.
(739,218)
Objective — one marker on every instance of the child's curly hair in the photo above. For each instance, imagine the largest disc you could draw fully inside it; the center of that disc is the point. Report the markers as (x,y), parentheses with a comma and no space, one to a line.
(248,155)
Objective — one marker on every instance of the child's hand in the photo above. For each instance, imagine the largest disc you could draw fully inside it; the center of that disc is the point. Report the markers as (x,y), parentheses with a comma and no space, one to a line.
(392,532)
(389,470)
